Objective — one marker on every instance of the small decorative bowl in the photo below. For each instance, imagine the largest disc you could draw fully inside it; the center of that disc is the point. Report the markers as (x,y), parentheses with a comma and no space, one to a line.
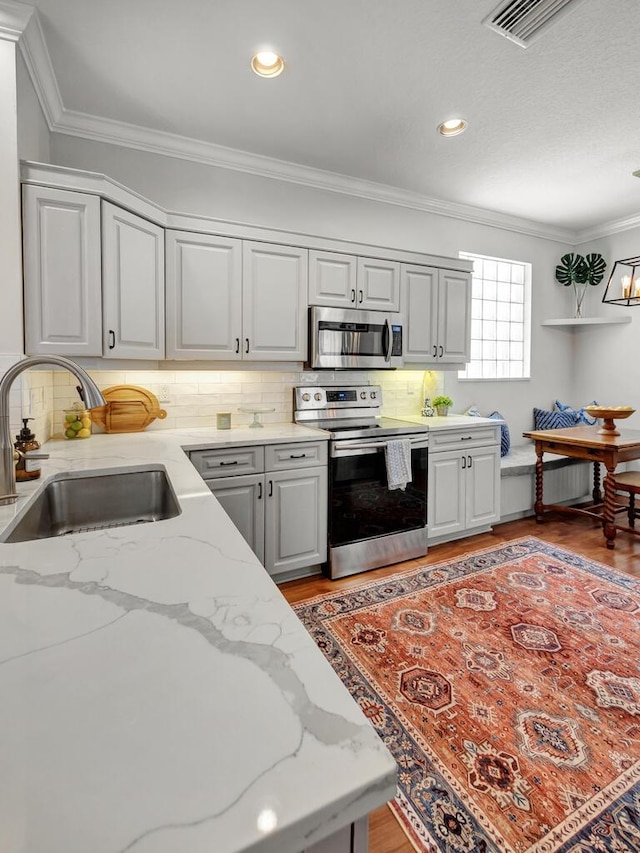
(609,415)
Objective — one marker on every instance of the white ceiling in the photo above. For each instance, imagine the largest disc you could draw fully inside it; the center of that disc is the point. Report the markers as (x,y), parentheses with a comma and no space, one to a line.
(554,129)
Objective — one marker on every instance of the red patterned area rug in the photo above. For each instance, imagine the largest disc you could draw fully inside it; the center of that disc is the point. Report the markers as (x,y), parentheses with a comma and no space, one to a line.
(507,685)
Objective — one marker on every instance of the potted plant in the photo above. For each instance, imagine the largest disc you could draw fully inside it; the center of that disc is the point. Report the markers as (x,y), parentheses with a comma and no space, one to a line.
(579,271)
(442,404)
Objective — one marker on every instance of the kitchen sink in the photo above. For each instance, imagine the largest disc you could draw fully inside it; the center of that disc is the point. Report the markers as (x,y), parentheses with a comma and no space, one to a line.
(81,501)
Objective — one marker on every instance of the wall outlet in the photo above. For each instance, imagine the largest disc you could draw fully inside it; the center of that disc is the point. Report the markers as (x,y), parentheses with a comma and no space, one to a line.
(163,394)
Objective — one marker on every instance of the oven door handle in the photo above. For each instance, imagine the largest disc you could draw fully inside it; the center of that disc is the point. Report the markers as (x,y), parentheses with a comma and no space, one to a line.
(343,448)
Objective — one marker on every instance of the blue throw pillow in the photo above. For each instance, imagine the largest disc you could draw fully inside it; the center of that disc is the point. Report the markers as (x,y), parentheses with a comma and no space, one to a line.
(542,419)
(505,438)
(580,416)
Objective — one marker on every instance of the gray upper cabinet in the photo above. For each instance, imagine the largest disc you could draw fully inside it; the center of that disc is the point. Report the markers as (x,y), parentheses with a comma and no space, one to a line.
(332,279)
(108,273)
(63,310)
(378,285)
(231,299)
(349,281)
(437,312)
(132,285)
(274,302)
(93,277)
(203,296)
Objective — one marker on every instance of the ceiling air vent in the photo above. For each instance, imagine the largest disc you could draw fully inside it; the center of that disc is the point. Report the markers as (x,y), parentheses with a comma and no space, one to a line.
(523,21)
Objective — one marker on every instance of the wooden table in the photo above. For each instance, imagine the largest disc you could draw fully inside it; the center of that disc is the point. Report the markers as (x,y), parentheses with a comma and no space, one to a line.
(586,442)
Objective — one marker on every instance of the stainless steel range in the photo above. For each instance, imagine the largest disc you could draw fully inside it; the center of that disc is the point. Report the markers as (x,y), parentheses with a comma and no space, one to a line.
(370,525)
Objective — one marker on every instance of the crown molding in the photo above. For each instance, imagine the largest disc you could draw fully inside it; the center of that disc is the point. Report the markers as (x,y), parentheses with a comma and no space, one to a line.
(20,22)
(14,19)
(158,142)
(607,229)
(35,53)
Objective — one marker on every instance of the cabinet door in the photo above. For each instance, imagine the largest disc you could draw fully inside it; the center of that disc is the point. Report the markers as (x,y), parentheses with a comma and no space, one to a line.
(295,519)
(132,285)
(332,279)
(62,274)
(454,317)
(378,285)
(419,309)
(242,498)
(446,507)
(203,296)
(274,302)
(483,486)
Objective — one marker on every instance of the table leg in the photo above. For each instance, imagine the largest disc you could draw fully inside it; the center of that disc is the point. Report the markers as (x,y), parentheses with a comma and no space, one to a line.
(609,513)
(539,504)
(596,494)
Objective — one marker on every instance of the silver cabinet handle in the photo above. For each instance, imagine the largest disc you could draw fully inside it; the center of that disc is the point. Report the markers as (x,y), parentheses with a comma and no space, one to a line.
(470,462)
(441,351)
(361,297)
(464,462)
(353,294)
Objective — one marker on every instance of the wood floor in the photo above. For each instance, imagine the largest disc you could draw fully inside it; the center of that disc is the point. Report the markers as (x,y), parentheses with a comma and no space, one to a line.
(577,534)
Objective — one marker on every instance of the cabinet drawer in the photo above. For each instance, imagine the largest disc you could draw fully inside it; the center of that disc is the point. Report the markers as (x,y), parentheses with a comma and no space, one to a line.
(228,461)
(279,457)
(454,439)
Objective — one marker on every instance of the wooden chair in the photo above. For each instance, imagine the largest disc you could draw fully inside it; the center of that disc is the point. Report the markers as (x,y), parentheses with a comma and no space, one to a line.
(629,482)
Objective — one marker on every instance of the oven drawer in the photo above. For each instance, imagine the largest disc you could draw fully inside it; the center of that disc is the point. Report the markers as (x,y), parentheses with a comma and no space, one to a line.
(228,461)
(454,439)
(280,457)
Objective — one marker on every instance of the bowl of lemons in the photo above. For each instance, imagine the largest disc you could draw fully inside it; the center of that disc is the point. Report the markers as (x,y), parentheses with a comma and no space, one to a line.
(609,415)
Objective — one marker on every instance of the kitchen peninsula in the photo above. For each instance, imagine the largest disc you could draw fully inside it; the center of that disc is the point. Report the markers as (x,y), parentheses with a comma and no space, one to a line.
(159,695)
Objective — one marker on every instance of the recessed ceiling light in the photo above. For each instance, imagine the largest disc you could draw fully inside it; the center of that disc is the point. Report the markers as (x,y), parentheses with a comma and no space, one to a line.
(452,127)
(267,64)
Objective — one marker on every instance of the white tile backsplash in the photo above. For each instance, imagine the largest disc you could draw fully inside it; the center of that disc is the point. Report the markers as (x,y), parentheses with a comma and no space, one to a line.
(194,397)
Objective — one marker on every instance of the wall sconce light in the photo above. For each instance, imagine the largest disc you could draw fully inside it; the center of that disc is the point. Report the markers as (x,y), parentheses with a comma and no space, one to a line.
(623,287)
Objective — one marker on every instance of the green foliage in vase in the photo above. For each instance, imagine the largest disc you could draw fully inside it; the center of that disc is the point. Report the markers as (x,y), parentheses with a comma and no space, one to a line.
(442,400)
(576,269)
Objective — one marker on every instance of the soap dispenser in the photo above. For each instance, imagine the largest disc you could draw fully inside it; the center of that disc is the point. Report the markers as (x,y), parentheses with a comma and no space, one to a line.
(26,469)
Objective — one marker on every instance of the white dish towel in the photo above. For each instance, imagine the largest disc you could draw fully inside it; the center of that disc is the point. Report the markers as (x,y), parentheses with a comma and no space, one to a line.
(398,459)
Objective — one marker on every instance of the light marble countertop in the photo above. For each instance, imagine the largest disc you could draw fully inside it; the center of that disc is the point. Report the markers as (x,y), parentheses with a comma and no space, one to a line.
(158,693)
(451,421)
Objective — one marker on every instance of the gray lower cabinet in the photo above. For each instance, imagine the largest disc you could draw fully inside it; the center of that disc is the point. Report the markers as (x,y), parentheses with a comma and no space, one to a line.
(352,839)
(276,496)
(463,482)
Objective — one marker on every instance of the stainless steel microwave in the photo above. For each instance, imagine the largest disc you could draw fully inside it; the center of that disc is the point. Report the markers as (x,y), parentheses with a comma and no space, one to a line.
(345,338)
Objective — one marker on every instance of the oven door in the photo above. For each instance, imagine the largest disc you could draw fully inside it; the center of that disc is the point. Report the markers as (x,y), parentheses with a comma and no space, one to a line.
(347,338)
(361,506)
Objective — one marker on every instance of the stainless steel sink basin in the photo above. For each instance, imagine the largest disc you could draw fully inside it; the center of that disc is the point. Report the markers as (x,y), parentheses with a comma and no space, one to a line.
(81,501)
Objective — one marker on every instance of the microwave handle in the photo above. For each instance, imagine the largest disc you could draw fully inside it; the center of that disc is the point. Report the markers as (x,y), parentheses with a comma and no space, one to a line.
(387,341)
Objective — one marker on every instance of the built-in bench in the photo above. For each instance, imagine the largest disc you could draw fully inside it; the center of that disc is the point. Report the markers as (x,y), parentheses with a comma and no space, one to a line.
(566,480)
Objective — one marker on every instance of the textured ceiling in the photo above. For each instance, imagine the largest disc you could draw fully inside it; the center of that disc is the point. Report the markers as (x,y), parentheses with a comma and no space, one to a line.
(554,130)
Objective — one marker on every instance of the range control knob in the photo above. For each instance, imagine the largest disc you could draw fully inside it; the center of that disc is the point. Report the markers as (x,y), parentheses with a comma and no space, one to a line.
(317,396)
(363,395)
(306,397)
(373,395)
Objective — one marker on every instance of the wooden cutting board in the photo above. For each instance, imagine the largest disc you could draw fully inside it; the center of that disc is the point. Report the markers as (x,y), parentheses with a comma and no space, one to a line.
(128,409)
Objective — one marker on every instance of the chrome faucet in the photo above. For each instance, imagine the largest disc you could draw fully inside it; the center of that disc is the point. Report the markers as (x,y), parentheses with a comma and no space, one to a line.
(91,397)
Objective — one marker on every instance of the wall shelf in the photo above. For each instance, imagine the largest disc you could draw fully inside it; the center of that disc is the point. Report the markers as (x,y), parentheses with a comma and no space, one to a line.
(587,321)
